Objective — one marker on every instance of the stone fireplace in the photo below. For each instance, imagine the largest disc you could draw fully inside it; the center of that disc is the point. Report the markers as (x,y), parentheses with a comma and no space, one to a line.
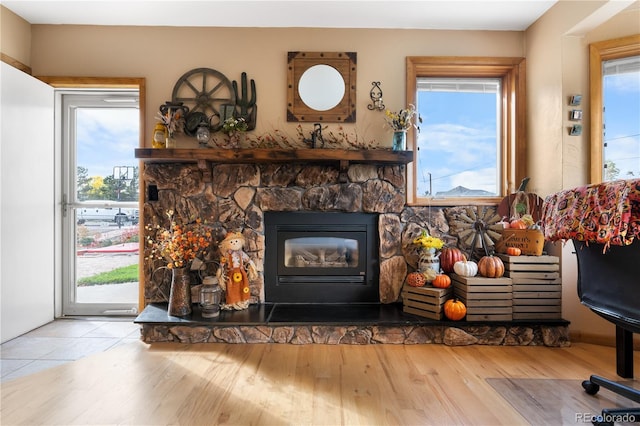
(236,197)
(245,196)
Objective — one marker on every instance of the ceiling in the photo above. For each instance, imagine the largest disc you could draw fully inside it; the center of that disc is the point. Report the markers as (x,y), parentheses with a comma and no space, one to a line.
(502,15)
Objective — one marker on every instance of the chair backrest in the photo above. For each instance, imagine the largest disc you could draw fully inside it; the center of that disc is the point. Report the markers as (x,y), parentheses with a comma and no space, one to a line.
(609,282)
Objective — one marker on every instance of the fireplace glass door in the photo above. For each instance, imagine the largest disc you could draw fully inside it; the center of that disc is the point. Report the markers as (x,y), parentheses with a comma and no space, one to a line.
(320,258)
(322,254)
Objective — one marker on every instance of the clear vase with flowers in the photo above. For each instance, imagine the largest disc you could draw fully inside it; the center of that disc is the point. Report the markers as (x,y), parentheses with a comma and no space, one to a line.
(400,122)
(173,121)
(234,127)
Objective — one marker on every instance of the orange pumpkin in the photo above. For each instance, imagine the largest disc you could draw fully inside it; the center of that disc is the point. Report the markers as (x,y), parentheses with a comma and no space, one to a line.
(449,256)
(416,279)
(491,267)
(441,281)
(518,224)
(454,309)
(514,251)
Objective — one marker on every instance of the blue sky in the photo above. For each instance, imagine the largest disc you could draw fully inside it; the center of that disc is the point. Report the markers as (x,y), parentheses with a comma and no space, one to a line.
(622,121)
(106,138)
(457,137)
(457,141)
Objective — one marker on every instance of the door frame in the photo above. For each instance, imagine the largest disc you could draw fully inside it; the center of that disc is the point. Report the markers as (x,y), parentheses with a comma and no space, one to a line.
(138,83)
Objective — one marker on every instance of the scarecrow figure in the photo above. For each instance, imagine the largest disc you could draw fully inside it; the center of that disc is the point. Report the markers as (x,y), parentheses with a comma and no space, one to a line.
(236,269)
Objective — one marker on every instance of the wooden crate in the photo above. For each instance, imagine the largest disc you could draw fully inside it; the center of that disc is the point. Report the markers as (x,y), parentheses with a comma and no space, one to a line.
(537,286)
(487,299)
(425,301)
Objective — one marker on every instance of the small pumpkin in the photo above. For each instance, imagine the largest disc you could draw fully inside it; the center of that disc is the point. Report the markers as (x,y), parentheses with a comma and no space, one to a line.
(416,279)
(465,268)
(454,309)
(491,267)
(441,281)
(518,224)
(514,251)
(449,256)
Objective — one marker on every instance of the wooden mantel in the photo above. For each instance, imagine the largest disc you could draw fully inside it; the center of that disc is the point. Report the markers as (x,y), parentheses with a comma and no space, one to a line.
(274,155)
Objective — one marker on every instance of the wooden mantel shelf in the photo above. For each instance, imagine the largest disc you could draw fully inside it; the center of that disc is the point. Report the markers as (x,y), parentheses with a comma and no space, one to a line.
(274,155)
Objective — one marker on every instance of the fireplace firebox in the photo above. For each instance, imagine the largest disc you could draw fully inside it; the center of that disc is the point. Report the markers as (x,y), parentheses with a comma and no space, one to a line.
(321,257)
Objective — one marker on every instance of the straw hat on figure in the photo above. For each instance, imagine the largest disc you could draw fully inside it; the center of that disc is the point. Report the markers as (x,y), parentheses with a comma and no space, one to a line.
(236,269)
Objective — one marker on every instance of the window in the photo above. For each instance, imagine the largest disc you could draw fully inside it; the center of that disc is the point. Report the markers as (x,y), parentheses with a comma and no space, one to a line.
(470,148)
(615,108)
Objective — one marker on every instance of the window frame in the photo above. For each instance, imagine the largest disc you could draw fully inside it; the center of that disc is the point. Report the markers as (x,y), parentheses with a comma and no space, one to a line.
(511,72)
(600,52)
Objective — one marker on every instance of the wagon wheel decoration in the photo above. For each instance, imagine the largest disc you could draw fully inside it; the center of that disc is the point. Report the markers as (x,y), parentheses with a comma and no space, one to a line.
(478,228)
(208,93)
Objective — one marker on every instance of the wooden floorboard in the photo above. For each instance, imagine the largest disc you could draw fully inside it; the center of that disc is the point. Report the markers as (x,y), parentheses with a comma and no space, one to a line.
(272,384)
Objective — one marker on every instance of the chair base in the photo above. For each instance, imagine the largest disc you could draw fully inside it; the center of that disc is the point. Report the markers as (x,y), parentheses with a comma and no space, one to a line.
(610,416)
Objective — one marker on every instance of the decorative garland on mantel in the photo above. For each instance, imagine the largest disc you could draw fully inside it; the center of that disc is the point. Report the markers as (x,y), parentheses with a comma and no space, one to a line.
(279,139)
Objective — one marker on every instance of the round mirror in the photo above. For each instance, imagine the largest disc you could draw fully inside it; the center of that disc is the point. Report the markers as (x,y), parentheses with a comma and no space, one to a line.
(321,87)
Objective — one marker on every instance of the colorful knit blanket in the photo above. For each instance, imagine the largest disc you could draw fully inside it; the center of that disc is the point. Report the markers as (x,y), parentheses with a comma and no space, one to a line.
(606,213)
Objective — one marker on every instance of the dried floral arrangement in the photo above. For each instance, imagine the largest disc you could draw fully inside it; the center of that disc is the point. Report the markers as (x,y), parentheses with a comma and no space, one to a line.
(339,138)
(180,243)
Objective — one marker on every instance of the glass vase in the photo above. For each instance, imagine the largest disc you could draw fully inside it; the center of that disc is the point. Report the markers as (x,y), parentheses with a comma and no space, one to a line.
(400,140)
(180,293)
(171,142)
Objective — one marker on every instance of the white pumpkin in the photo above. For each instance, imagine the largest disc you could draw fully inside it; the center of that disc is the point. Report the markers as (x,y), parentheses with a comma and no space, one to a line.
(465,268)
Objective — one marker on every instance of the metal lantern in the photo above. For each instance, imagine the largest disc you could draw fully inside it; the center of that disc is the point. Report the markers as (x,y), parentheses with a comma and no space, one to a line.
(203,134)
(210,297)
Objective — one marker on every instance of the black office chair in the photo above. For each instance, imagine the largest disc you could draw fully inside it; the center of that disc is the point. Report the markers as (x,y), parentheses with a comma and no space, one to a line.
(609,284)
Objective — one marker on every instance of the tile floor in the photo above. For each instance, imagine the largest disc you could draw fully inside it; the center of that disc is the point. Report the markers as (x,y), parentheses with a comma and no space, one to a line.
(62,341)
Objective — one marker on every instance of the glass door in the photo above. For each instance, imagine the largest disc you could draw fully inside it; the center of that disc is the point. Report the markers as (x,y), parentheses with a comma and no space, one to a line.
(100,195)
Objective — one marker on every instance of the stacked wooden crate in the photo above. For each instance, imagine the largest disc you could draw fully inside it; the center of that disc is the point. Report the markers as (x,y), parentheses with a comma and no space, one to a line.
(425,301)
(537,286)
(487,299)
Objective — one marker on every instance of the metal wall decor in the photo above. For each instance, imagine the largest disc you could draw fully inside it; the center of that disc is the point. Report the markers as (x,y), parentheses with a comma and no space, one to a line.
(209,98)
(204,90)
(376,97)
(246,107)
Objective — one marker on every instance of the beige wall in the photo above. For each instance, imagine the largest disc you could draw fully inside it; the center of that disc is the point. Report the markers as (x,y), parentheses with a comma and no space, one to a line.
(555,47)
(15,36)
(558,67)
(162,55)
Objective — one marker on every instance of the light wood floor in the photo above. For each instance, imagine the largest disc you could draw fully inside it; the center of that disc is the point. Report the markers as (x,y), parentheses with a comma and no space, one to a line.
(276,384)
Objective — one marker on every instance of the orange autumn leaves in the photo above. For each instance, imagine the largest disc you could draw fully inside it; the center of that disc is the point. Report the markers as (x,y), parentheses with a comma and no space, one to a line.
(180,244)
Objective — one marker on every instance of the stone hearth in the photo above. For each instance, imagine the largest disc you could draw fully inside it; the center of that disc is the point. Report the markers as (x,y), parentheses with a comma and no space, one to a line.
(342,324)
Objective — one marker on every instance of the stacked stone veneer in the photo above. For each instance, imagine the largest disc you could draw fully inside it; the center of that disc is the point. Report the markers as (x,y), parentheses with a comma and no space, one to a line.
(231,197)
(459,335)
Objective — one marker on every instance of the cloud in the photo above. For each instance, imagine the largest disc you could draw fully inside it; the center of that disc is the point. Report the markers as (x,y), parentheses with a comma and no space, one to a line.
(623,83)
(457,155)
(106,137)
